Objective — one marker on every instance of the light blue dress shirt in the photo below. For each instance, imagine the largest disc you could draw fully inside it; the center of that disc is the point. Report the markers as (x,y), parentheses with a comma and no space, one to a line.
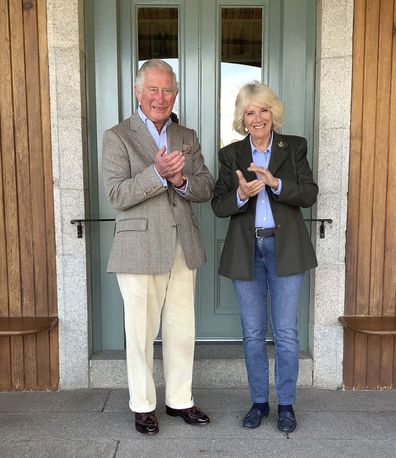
(264,217)
(161,140)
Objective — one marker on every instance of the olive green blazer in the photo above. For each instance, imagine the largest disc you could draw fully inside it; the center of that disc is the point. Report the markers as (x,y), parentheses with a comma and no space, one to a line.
(294,250)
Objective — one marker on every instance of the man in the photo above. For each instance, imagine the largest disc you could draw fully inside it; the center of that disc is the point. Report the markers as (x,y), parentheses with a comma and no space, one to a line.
(153,169)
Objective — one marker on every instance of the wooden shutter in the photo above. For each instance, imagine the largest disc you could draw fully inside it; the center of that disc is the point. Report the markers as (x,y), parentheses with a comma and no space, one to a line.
(370,361)
(27,241)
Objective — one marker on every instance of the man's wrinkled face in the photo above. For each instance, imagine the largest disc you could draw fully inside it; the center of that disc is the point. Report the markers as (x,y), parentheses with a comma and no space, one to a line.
(157,96)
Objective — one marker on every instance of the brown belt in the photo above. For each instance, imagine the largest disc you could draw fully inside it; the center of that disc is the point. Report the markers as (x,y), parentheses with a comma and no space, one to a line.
(262,233)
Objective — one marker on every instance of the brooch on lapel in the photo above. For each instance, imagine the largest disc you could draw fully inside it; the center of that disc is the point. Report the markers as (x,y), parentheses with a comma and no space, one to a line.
(281,144)
(186,149)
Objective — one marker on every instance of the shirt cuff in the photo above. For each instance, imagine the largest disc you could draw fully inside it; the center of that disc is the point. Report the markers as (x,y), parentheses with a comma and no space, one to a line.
(184,190)
(240,202)
(163,180)
(279,189)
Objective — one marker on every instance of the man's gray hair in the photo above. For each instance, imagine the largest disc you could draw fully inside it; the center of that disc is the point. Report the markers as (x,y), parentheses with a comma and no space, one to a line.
(156,64)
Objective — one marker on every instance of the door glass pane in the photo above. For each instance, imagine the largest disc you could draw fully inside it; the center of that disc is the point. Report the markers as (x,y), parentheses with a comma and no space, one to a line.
(241,61)
(158,37)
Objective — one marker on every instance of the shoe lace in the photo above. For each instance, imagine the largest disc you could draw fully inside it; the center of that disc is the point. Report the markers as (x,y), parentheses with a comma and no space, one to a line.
(195,410)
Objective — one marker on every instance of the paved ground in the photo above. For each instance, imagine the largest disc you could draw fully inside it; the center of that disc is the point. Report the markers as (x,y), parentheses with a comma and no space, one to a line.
(97,423)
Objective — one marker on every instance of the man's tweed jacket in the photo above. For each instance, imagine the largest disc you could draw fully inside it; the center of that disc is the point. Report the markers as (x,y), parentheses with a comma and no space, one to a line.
(150,216)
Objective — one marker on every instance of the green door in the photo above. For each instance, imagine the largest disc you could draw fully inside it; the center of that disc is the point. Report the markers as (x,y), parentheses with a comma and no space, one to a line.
(215,46)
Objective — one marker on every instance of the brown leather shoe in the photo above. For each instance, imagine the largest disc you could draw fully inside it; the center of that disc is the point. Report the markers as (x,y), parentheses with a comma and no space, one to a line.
(192,415)
(146,422)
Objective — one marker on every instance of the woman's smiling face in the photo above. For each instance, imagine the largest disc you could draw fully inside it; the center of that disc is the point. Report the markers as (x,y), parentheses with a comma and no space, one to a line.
(258,121)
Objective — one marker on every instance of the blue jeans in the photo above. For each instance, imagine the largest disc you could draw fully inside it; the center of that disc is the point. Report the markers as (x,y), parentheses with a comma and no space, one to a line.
(285,299)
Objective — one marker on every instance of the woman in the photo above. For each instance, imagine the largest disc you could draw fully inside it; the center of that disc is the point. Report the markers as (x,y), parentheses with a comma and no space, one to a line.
(263,181)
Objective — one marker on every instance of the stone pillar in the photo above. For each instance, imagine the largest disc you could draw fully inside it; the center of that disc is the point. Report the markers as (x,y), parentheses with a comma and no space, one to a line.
(332,125)
(66,69)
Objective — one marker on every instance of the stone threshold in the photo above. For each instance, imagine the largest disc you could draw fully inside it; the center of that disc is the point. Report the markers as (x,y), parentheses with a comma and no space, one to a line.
(216,364)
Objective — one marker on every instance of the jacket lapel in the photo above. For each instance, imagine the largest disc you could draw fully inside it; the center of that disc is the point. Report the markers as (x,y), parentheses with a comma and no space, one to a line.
(244,158)
(174,139)
(143,136)
(278,153)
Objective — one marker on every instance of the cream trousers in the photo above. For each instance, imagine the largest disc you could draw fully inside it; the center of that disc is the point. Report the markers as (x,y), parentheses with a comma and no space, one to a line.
(146,299)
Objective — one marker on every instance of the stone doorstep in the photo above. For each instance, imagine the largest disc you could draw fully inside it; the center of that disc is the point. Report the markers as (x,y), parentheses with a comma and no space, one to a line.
(215,365)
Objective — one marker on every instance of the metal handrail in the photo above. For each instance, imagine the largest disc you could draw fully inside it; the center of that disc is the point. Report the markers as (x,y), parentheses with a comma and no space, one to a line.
(89,220)
(322,229)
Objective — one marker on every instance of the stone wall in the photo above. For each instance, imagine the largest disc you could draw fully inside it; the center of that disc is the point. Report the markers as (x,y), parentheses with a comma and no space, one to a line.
(332,121)
(67,82)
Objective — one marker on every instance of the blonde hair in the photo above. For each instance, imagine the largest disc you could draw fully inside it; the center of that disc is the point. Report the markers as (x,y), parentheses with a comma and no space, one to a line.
(259,94)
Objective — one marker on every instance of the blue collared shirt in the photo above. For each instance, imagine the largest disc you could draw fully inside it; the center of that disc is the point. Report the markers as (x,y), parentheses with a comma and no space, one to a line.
(264,217)
(161,140)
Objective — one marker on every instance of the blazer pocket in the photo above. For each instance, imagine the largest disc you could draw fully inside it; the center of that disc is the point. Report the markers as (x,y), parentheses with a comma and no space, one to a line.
(131,224)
